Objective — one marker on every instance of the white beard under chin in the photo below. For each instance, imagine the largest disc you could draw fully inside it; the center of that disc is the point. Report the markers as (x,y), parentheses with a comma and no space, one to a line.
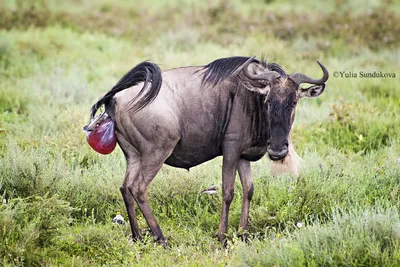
(289,165)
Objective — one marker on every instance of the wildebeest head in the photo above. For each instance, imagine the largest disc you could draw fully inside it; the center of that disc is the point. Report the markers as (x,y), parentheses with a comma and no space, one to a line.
(282,92)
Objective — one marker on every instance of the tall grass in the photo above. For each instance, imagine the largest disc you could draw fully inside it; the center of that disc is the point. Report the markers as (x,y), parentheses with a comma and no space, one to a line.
(361,237)
(59,196)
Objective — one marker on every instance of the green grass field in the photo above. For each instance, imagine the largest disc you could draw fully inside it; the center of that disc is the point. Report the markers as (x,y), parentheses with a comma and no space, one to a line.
(58,57)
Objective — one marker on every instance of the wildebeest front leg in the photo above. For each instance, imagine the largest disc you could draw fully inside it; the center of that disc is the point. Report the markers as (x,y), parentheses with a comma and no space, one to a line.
(228,182)
(246,179)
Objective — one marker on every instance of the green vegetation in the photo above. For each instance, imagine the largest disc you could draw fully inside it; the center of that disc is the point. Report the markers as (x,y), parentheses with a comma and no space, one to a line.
(57,58)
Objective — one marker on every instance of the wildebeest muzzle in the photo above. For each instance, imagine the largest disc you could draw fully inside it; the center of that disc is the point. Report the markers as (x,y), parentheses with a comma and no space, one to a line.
(277,150)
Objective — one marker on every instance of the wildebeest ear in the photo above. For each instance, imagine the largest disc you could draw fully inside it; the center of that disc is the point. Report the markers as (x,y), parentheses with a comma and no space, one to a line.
(312,91)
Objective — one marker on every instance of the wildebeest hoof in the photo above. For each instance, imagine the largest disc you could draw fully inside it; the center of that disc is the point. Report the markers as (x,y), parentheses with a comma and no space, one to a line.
(134,239)
(163,243)
(245,238)
(223,240)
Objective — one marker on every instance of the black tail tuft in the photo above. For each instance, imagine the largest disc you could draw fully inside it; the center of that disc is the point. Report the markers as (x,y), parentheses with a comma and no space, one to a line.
(144,72)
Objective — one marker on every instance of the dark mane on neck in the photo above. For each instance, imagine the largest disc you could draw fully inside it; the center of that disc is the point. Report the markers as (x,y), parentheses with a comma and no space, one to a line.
(222,68)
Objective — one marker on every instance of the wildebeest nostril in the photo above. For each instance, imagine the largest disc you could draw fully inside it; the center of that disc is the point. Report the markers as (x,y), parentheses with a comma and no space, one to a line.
(285,146)
(268,145)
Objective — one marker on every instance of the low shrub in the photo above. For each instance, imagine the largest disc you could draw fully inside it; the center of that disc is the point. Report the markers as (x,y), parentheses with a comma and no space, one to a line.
(30,227)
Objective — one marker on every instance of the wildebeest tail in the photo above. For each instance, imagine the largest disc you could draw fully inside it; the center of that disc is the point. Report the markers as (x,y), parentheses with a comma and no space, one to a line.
(145,72)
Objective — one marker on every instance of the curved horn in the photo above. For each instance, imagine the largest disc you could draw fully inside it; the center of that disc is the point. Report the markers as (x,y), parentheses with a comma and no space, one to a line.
(301,78)
(268,75)
(276,67)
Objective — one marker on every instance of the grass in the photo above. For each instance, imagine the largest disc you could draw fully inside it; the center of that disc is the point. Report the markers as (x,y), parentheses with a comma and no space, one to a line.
(60,196)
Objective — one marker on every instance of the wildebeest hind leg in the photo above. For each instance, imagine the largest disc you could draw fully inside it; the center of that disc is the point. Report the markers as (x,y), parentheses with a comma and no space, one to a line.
(246,178)
(143,171)
(129,201)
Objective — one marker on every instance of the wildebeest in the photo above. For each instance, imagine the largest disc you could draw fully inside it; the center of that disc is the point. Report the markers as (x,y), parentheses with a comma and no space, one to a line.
(237,107)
